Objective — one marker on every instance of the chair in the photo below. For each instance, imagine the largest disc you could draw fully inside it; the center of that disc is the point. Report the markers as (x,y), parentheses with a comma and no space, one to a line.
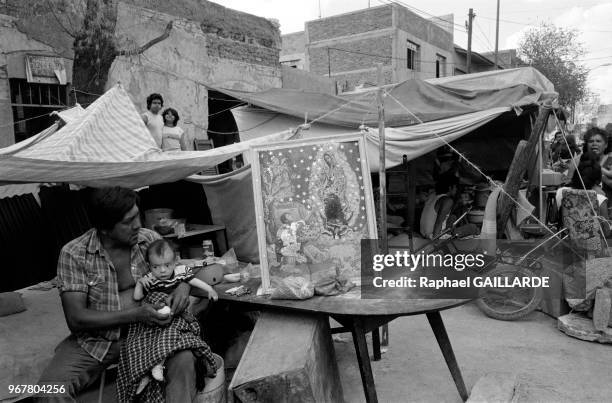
(590,268)
(203,145)
(103,380)
(579,214)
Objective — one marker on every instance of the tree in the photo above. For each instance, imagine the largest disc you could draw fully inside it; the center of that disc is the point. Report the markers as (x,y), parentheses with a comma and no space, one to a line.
(554,51)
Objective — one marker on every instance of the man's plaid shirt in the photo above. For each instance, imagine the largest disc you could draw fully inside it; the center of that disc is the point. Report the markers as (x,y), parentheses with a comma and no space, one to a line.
(84,266)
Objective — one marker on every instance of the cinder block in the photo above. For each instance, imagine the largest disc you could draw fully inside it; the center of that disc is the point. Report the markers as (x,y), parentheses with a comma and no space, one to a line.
(493,388)
(602,309)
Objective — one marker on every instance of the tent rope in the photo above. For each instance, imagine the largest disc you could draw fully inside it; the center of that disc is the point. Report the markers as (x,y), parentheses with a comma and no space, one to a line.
(473,165)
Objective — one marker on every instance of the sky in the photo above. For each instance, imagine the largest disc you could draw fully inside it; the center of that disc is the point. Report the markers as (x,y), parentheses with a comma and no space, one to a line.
(591,17)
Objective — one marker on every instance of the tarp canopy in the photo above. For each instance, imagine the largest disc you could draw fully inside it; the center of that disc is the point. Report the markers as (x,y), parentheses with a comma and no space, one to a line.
(412,101)
(107,144)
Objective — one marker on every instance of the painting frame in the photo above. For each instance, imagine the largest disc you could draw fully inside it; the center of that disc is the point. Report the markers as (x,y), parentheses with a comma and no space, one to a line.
(270,211)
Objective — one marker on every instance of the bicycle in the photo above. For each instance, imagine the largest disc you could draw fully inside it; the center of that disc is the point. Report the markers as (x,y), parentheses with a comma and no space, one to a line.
(499,302)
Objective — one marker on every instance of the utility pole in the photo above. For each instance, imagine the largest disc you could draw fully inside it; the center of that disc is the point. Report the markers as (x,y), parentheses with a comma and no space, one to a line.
(328,64)
(469,29)
(497,35)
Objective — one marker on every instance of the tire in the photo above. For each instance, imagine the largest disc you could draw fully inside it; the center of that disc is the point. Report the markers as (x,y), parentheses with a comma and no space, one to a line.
(509,303)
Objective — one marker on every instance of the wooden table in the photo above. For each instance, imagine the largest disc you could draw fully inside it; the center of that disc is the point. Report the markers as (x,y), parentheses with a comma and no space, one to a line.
(360,316)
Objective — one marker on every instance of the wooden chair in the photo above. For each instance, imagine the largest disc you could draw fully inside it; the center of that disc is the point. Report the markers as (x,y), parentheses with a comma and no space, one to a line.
(590,266)
(203,145)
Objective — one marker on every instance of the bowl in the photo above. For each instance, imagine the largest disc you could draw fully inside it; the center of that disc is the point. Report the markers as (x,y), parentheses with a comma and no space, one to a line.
(232,277)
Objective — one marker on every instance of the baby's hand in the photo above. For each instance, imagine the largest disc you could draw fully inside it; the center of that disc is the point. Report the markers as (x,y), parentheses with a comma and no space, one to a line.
(213,295)
(607,172)
(146,281)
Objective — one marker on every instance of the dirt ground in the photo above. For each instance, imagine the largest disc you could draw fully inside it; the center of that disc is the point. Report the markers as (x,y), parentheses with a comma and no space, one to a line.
(551,366)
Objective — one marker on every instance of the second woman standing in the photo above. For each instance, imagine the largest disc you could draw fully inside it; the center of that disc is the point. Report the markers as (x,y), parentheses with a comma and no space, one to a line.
(172,135)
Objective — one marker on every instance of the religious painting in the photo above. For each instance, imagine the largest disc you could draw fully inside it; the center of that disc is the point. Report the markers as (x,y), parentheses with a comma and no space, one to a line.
(313,200)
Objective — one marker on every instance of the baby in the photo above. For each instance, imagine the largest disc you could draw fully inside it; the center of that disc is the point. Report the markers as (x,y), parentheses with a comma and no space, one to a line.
(164,276)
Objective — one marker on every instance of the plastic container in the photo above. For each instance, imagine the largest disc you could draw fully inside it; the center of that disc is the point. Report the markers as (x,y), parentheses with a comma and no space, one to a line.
(214,388)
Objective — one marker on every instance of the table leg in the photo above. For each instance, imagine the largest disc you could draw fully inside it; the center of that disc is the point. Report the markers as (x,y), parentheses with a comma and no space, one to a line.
(363,358)
(385,335)
(435,321)
(376,344)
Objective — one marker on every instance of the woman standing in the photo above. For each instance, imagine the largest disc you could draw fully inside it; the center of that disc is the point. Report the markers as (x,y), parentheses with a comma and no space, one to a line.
(596,142)
(172,135)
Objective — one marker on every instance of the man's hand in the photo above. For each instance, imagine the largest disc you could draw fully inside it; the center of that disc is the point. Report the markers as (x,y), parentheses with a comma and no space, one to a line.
(150,316)
(178,301)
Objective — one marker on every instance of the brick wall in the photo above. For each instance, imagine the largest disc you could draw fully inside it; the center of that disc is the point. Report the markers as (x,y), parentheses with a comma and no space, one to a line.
(350,23)
(221,21)
(346,61)
(240,51)
(424,29)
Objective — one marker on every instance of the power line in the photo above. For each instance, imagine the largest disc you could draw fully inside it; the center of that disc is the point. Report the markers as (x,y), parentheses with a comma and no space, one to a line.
(484,36)
(380,56)
(532,24)
(412,8)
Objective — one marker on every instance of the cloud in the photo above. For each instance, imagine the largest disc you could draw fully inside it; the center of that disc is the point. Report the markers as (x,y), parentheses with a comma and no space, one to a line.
(594,24)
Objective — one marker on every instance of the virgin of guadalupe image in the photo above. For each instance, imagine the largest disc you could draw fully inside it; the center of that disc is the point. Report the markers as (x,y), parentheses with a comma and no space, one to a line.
(334,191)
(333,179)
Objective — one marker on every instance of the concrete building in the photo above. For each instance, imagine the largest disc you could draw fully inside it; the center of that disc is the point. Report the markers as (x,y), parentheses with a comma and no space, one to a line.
(293,50)
(174,48)
(36,60)
(208,44)
(348,46)
(478,62)
(507,59)
(604,116)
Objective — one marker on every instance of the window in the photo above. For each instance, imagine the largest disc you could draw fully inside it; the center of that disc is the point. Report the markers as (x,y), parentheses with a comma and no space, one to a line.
(32,103)
(440,66)
(412,56)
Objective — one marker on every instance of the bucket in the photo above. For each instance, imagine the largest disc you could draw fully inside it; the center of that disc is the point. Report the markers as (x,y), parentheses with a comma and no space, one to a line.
(476,216)
(153,216)
(214,389)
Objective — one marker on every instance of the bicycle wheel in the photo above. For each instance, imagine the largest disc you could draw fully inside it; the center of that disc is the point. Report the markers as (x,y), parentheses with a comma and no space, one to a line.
(509,303)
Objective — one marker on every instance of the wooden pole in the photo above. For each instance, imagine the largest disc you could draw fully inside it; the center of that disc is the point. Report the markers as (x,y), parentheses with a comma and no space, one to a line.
(382,179)
(469,49)
(522,158)
(497,36)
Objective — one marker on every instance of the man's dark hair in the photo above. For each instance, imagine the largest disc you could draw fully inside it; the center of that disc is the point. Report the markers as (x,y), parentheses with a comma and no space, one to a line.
(153,97)
(589,170)
(596,131)
(445,182)
(157,248)
(109,205)
(174,113)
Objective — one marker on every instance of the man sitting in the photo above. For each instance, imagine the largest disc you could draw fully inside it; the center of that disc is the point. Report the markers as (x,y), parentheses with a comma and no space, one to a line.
(436,215)
(96,275)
